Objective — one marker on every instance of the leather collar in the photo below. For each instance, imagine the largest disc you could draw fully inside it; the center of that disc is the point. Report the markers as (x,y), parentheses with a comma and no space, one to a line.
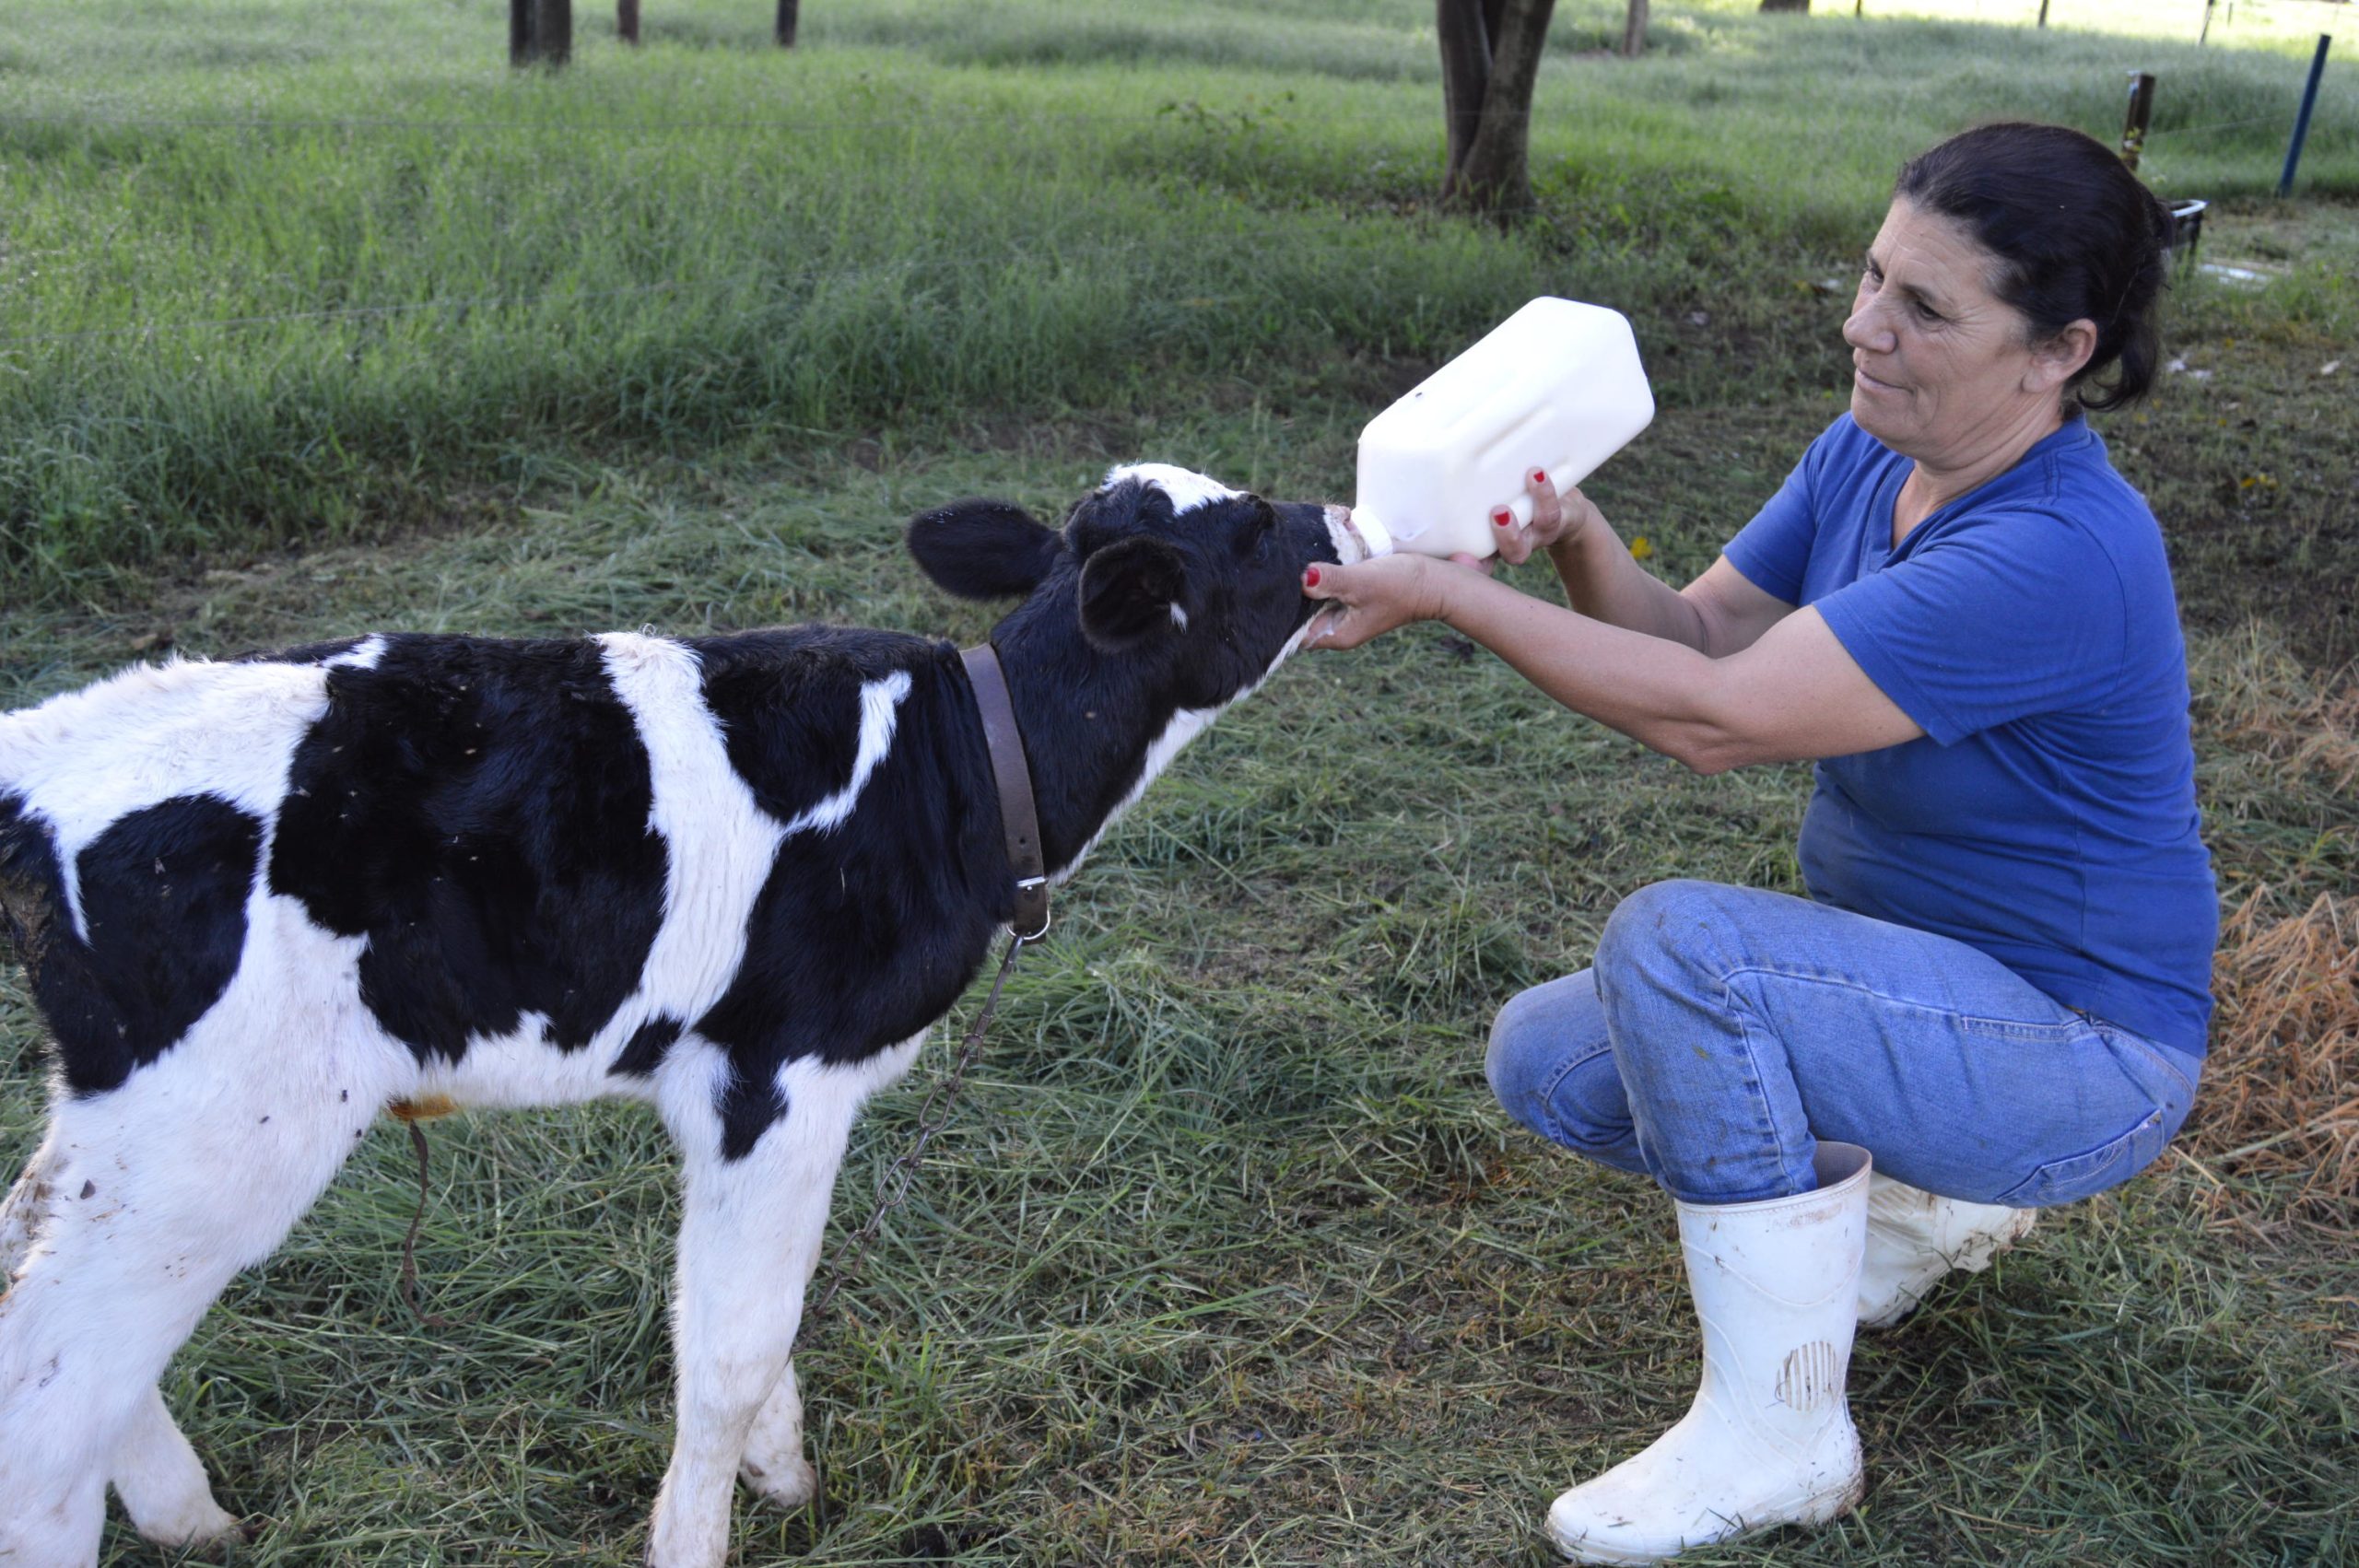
(1019,820)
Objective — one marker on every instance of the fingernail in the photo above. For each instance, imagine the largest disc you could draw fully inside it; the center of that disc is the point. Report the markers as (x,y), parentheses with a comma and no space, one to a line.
(1310,577)
(1540,477)
(1502,517)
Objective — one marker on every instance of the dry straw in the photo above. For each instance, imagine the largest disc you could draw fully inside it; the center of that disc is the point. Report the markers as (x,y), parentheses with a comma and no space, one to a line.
(2282,1093)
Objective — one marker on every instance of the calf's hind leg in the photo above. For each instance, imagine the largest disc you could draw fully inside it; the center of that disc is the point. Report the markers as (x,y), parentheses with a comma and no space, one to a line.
(159,1192)
(154,1471)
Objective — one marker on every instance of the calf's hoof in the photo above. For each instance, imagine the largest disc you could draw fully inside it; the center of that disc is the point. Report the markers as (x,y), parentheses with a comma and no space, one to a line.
(199,1523)
(784,1482)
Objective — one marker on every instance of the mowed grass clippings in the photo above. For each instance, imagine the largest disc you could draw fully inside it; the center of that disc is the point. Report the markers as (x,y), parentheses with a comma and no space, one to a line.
(1226,1257)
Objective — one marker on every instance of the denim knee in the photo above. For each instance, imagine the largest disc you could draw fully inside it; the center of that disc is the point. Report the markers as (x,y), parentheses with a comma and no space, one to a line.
(1649,948)
(1552,1069)
(1657,923)
(1513,1062)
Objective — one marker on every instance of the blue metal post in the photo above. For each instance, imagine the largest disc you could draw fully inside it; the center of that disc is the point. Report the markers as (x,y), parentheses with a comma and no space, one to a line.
(2302,121)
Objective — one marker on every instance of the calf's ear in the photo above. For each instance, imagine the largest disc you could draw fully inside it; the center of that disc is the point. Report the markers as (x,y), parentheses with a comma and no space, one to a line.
(1129,592)
(980,549)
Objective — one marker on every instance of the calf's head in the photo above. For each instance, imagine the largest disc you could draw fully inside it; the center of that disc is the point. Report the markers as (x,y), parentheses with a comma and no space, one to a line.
(1166,597)
(1171,582)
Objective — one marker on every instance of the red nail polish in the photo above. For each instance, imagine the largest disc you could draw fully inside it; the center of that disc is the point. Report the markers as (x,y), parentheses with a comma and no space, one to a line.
(1310,577)
(1502,517)
(1538,476)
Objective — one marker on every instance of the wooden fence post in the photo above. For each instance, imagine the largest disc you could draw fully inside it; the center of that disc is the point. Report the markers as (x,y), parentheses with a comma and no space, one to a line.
(540,33)
(2141,113)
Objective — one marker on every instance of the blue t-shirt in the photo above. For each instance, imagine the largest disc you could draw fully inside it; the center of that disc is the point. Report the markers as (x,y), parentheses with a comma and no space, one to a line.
(2047,815)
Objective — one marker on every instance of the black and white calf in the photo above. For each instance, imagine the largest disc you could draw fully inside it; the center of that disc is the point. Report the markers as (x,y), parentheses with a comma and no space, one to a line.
(733,877)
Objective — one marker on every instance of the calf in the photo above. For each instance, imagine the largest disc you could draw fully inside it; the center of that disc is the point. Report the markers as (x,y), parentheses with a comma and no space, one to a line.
(735,877)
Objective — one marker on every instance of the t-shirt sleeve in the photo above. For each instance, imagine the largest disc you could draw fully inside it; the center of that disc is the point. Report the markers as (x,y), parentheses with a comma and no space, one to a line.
(1772,550)
(2021,613)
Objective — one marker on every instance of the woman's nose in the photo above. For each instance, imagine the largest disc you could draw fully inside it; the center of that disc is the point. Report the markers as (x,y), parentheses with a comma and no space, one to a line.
(1862,329)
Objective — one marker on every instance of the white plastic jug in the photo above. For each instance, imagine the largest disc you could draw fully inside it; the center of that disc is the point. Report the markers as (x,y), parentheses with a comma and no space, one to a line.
(1557,386)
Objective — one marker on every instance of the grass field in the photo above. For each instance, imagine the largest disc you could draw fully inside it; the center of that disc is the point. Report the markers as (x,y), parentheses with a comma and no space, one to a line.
(1224,1257)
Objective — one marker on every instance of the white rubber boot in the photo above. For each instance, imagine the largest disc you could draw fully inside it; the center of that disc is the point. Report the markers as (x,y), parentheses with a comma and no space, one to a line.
(1914,1238)
(1768,1441)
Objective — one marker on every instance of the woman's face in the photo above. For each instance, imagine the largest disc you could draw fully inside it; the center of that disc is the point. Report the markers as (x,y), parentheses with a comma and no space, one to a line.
(1941,369)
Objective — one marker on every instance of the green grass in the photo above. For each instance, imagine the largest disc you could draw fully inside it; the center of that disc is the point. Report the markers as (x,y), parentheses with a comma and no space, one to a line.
(442,273)
(1225,1257)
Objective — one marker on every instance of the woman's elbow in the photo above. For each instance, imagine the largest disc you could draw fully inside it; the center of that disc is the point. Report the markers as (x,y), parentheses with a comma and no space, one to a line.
(1707,750)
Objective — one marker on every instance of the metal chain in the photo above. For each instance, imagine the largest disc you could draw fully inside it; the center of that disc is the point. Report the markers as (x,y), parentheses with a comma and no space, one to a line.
(932,1117)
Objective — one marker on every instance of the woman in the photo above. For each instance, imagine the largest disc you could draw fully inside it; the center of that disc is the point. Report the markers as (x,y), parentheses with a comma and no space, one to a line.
(1998,987)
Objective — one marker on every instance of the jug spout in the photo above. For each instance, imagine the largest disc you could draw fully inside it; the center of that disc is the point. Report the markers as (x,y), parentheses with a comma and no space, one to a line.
(1375,538)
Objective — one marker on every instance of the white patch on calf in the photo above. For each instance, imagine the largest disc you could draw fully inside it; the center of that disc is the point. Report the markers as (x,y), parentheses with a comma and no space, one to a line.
(1187,488)
(85,759)
(880,707)
(363,655)
(717,843)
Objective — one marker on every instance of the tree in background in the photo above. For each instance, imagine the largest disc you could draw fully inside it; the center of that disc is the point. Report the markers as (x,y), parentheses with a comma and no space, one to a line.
(1802,5)
(1490,57)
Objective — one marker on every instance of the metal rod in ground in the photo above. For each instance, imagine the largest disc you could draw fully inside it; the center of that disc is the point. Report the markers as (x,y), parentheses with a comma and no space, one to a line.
(2140,115)
(2302,120)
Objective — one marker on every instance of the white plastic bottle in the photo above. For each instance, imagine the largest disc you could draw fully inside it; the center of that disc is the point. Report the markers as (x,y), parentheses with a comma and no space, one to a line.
(1557,386)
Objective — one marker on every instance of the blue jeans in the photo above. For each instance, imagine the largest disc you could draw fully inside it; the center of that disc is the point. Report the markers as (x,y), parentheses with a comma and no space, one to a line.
(1724,1031)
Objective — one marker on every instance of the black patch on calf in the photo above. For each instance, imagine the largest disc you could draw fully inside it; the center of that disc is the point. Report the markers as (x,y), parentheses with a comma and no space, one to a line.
(789,706)
(478,810)
(163,894)
(648,1045)
(865,933)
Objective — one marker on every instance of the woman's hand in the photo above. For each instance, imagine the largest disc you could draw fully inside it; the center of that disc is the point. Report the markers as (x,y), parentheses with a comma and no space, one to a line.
(1555,520)
(1364,602)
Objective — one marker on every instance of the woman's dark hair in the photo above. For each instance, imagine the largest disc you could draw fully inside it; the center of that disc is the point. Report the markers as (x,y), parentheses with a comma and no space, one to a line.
(2076,234)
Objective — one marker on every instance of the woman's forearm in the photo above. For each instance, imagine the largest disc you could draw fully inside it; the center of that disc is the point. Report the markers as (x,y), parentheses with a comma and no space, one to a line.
(1605,582)
(1652,685)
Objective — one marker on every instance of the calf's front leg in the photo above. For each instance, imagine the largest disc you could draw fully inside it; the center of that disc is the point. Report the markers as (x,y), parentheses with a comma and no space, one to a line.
(749,1238)
(774,1465)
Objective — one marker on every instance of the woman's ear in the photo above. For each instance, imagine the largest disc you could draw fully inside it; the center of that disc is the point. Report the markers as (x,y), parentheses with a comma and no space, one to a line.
(2057,359)
(1129,592)
(980,549)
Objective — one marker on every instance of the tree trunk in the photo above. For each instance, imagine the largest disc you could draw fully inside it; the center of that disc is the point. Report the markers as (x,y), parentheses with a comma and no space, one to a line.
(784,31)
(1634,31)
(627,20)
(540,33)
(1801,5)
(1490,58)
